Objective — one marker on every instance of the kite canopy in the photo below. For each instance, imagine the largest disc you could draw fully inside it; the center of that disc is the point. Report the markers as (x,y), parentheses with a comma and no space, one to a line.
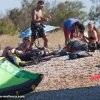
(48,28)
(14,81)
(27,32)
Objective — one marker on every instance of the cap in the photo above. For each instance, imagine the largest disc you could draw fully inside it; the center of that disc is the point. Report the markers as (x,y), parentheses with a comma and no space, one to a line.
(26,38)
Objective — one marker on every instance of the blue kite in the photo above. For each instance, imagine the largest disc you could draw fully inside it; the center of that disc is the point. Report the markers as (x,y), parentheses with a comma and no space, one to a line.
(28,32)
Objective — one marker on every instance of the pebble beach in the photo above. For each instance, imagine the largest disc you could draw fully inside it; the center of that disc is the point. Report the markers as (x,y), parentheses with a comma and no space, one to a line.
(62,76)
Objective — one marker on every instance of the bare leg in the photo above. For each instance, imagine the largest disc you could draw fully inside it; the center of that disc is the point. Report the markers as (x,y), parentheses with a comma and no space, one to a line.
(67,39)
(45,41)
(66,35)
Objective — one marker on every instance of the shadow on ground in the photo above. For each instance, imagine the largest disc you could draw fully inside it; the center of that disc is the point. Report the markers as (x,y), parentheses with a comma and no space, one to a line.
(98,66)
(84,93)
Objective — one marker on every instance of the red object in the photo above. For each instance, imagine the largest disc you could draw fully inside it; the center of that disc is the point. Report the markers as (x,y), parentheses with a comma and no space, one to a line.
(95,77)
(49,16)
(72,33)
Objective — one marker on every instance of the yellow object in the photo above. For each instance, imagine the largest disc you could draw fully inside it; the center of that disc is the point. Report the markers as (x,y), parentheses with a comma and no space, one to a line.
(17,93)
(2,58)
(18,59)
(33,87)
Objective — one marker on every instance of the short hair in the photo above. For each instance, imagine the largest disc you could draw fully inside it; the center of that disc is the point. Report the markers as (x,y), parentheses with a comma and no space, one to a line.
(77,23)
(80,26)
(40,2)
(26,39)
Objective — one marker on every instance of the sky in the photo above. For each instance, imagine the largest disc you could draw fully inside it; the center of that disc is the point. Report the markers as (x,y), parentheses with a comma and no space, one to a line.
(10,4)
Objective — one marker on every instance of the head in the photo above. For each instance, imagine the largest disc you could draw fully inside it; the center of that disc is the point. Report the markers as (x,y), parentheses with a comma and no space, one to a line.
(76,26)
(90,26)
(6,51)
(79,27)
(21,46)
(40,4)
(26,41)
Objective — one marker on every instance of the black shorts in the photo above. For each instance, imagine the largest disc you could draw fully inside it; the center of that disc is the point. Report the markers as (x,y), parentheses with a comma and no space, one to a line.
(37,31)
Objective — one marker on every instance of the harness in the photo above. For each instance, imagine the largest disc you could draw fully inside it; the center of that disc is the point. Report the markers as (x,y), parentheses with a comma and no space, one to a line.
(36,29)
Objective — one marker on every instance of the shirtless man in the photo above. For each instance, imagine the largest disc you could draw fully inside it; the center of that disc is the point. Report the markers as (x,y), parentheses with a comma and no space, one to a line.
(36,23)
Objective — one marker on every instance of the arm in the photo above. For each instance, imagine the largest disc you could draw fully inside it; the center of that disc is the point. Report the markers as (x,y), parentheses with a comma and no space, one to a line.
(81,29)
(85,39)
(95,35)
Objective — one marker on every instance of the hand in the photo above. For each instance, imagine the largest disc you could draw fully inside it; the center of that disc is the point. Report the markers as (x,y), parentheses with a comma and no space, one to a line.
(44,19)
(9,52)
(13,50)
(47,19)
(49,16)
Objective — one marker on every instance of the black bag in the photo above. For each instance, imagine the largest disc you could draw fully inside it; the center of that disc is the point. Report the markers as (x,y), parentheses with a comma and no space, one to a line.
(98,45)
(34,55)
(92,47)
(78,54)
(13,59)
(76,44)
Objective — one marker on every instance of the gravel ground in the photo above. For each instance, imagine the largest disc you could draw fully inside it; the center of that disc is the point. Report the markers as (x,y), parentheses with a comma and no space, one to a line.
(67,79)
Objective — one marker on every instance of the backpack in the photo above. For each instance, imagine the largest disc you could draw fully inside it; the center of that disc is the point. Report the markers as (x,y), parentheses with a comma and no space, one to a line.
(78,54)
(98,46)
(76,44)
(34,55)
(92,47)
(13,59)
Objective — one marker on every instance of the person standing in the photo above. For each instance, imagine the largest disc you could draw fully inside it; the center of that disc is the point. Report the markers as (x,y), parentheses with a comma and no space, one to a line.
(37,24)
